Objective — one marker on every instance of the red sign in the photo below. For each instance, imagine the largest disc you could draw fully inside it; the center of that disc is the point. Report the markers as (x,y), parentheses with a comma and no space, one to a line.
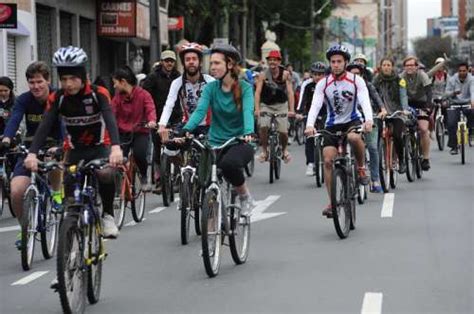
(8,15)
(175,23)
(116,18)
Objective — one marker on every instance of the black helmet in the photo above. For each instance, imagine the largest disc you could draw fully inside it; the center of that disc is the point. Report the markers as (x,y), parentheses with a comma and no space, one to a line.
(338,50)
(318,67)
(228,50)
(356,65)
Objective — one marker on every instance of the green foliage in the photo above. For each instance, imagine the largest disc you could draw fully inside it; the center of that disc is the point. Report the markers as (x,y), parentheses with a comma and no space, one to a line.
(429,48)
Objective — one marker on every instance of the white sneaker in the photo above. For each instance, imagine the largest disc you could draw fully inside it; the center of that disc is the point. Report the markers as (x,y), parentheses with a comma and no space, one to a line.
(310,170)
(247,203)
(110,230)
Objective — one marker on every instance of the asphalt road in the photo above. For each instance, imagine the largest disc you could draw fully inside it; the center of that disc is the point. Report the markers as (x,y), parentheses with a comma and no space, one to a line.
(418,258)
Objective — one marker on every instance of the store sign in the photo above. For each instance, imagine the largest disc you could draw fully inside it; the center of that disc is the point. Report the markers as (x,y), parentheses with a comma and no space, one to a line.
(8,15)
(176,23)
(116,18)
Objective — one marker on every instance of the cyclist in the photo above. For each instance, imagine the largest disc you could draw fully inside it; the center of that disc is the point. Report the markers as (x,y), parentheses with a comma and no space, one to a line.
(372,138)
(86,112)
(133,106)
(31,105)
(461,87)
(275,92)
(362,59)
(318,71)
(392,89)
(158,83)
(186,90)
(419,97)
(231,102)
(7,99)
(342,92)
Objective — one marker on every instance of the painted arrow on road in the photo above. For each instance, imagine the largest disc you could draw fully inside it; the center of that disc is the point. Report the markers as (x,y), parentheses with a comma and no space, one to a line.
(258,211)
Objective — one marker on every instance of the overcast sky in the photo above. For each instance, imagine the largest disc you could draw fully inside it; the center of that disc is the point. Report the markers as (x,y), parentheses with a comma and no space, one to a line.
(418,12)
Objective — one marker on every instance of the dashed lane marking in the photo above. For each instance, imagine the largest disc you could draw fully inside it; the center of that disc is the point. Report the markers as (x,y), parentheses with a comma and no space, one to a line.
(372,303)
(31,277)
(387,207)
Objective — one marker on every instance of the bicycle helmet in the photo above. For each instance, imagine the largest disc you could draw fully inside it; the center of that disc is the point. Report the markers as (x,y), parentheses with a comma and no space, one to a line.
(227,50)
(361,56)
(69,57)
(338,50)
(356,65)
(190,47)
(318,67)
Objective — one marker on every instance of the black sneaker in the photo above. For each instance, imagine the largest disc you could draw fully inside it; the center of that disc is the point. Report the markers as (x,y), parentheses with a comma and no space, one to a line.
(425,164)
(402,167)
(454,151)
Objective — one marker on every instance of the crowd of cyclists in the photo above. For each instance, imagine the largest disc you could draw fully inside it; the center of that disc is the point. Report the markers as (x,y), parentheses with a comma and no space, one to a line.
(83,122)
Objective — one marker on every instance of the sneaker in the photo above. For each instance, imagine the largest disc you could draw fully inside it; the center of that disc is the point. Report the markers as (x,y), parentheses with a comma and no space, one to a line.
(425,164)
(57,202)
(18,241)
(454,151)
(363,178)
(310,170)
(54,285)
(247,203)
(376,187)
(402,167)
(328,211)
(110,230)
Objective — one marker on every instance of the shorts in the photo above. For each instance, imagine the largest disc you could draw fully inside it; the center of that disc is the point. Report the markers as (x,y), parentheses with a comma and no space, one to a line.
(279,108)
(87,154)
(331,141)
(20,169)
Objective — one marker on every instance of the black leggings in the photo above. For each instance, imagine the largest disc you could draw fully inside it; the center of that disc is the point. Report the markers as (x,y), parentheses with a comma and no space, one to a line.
(398,127)
(140,149)
(233,161)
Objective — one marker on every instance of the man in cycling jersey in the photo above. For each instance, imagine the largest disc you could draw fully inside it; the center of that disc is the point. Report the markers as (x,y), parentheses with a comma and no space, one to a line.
(186,90)
(90,124)
(342,92)
(318,71)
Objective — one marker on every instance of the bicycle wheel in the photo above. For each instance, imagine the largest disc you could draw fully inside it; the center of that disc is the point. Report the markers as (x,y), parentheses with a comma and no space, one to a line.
(165,180)
(439,127)
(318,171)
(120,199)
(239,237)
(340,203)
(138,197)
(277,160)
(409,158)
(95,258)
(272,158)
(211,233)
(185,206)
(393,169)
(384,179)
(28,227)
(49,229)
(72,278)
(353,210)
(418,170)
(198,194)
(359,188)
(2,198)
(462,142)
(300,126)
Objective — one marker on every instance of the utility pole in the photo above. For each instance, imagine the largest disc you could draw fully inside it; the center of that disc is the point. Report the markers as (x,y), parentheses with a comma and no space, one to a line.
(155,40)
(313,32)
(244,30)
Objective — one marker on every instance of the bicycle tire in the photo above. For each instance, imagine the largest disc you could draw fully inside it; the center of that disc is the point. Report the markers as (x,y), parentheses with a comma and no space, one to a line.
(272,158)
(318,163)
(165,174)
(359,188)
(185,206)
(462,144)
(28,227)
(120,199)
(2,198)
(70,267)
(94,266)
(409,158)
(277,168)
(439,127)
(199,194)
(138,198)
(418,170)
(49,230)
(384,180)
(239,238)
(300,139)
(353,211)
(393,170)
(341,211)
(211,239)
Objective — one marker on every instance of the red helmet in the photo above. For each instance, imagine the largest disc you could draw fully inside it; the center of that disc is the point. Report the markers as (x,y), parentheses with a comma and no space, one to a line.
(274,54)
(190,47)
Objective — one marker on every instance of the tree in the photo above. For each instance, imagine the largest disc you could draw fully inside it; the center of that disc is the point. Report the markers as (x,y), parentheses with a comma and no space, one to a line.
(427,49)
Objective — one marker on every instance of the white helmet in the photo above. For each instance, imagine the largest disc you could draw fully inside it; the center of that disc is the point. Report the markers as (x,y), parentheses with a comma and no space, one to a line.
(362,57)
(69,57)
(439,60)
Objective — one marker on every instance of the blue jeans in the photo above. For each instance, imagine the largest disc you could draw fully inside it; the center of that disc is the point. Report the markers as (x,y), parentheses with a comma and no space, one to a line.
(372,143)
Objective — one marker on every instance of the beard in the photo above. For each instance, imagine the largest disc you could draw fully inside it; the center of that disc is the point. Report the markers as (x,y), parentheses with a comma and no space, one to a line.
(192,71)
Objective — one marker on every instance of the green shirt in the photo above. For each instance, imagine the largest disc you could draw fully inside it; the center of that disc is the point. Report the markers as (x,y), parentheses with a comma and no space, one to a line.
(416,84)
(226,120)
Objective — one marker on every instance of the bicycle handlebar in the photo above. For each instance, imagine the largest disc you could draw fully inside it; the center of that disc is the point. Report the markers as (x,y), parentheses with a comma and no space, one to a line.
(355,128)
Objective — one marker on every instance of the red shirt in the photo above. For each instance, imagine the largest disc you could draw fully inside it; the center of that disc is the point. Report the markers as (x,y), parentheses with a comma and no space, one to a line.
(134,109)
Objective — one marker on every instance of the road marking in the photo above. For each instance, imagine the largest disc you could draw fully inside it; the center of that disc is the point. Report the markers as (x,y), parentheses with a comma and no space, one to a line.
(157,210)
(258,211)
(11,228)
(372,303)
(30,278)
(132,223)
(387,207)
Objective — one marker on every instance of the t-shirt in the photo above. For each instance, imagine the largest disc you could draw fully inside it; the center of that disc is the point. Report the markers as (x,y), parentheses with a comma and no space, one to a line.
(416,86)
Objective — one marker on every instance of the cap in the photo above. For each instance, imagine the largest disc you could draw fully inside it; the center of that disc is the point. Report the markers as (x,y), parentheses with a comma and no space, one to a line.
(274,54)
(168,54)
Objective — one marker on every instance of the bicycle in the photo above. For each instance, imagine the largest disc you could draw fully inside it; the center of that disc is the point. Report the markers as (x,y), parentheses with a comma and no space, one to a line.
(221,217)
(6,170)
(169,170)
(439,123)
(299,126)
(344,184)
(463,136)
(275,151)
(81,247)
(39,217)
(318,159)
(412,150)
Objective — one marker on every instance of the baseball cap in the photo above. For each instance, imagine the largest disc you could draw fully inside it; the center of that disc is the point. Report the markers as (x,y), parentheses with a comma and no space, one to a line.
(168,54)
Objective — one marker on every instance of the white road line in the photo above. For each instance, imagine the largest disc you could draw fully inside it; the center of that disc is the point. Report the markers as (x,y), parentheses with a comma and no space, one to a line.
(387,207)
(11,228)
(258,211)
(132,223)
(30,278)
(157,210)
(372,303)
